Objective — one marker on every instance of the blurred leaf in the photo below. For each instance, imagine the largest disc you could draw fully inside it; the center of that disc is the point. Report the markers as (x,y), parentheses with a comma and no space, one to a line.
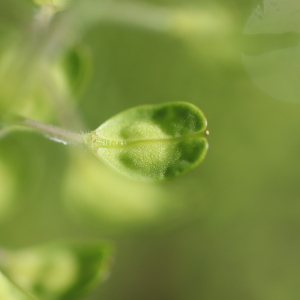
(90,195)
(76,64)
(213,26)
(152,143)
(59,271)
(271,55)
(9,291)
(31,98)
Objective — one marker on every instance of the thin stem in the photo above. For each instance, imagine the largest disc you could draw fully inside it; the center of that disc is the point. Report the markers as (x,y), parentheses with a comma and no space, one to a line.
(54,133)
(43,18)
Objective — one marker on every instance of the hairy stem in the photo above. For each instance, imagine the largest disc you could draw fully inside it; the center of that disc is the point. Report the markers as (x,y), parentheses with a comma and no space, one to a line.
(54,133)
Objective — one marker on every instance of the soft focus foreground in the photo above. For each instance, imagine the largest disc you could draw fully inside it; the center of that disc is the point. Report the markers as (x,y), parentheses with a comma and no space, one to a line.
(228,229)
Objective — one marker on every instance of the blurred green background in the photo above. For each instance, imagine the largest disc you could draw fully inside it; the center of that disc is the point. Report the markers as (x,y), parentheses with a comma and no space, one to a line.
(229,229)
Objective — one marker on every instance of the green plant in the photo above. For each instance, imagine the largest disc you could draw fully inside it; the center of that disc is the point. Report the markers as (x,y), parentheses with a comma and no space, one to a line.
(151,143)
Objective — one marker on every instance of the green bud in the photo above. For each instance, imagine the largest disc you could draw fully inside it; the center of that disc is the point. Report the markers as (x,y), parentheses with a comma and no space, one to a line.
(57,4)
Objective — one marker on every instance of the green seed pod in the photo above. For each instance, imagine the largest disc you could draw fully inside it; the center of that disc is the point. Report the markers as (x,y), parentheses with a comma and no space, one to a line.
(152,142)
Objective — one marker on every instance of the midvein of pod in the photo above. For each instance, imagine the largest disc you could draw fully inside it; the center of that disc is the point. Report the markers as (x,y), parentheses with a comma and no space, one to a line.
(96,141)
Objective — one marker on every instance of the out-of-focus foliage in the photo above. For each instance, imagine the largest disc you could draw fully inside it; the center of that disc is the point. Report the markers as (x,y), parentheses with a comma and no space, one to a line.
(226,230)
(9,291)
(274,66)
(56,4)
(59,271)
(76,64)
(90,196)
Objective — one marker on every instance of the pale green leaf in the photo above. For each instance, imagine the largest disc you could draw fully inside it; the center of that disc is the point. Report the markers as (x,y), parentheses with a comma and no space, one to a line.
(58,271)
(9,291)
(152,142)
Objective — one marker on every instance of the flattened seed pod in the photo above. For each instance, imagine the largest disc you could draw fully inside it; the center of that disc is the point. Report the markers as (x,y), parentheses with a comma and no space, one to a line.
(152,142)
